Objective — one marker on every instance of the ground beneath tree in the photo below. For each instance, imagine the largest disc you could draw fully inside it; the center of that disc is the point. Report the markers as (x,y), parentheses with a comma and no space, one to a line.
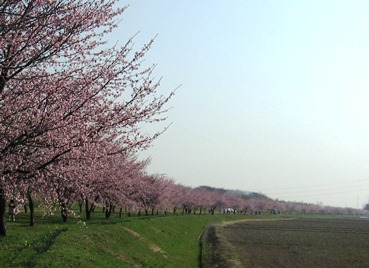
(299,242)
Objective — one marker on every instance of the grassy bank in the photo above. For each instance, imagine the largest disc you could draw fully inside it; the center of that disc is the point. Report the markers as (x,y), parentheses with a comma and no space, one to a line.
(154,241)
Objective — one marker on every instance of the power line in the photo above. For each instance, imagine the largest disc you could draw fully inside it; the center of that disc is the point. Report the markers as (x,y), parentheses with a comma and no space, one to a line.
(307,195)
(318,187)
(303,190)
(312,191)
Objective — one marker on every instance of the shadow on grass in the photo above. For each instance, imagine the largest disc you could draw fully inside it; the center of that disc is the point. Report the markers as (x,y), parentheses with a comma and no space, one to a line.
(27,254)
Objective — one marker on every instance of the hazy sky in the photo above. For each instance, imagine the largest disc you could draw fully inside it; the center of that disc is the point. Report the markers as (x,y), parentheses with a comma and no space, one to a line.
(274,95)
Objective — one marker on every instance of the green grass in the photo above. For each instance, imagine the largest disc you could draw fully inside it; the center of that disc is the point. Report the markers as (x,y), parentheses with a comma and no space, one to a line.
(154,241)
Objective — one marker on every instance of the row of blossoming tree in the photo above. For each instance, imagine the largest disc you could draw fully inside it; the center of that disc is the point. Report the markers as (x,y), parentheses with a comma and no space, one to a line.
(72,110)
(71,107)
(135,191)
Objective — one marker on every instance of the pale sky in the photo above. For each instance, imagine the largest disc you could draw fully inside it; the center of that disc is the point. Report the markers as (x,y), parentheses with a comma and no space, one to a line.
(274,95)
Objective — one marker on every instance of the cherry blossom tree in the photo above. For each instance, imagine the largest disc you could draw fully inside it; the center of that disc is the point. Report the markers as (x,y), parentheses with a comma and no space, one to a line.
(63,91)
(152,193)
(203,199)
(165,187)
(176,197)
(234,201)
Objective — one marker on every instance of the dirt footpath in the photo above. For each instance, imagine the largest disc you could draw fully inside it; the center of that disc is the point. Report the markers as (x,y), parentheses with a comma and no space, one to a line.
(298,242)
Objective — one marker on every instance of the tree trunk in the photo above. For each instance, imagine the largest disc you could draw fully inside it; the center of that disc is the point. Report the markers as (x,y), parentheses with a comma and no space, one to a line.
(89,208)
(88,211)
(80,204)
(2,213)
(64,212)
(108,211)
(25,208)
(31,210)
(120,213)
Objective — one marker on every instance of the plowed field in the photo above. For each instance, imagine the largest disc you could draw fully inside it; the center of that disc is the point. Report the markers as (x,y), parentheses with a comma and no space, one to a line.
(300,242)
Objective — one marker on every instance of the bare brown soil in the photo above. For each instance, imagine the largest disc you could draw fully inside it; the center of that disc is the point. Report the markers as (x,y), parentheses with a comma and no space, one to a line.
(299,242)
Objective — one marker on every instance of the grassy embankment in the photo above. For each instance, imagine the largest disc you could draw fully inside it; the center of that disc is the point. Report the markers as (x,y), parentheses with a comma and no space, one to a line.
(154,241)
